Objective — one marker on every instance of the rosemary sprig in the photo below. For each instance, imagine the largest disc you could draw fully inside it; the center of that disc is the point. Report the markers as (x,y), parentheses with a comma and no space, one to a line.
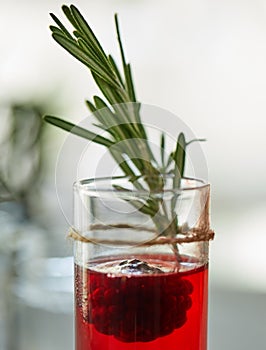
(119,116)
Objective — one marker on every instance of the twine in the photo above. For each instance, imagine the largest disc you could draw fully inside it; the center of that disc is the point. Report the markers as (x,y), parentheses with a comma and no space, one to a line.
(193,235)
(200,233)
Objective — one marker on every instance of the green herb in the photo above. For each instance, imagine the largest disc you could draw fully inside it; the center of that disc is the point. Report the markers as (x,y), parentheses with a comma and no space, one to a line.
(119,116)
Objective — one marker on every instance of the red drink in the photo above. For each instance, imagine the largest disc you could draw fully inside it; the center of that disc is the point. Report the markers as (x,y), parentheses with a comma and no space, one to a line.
(120,307)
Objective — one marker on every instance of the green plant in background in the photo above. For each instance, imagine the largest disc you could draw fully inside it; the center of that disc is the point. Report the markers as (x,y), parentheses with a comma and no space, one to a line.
(118,114)
(21,161)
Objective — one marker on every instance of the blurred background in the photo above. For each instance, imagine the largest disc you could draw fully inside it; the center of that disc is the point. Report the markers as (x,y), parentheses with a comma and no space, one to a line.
(202,60)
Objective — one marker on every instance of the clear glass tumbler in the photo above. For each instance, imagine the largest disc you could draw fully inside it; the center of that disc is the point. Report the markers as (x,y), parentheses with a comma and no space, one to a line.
(141,279)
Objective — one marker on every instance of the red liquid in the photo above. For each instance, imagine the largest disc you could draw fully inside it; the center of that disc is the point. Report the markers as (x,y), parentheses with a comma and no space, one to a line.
(163,311)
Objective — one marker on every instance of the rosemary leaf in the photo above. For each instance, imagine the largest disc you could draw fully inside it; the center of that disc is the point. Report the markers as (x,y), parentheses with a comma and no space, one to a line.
(85,28)
(77,130)
(130,85)
(69,15)
(126,67)
(61,26)
(108,119)
(83,57)
(116,154)
(56,30)
(195,140)
(91,53)
(91,106)
(120,42)
(116,70)
(179,158)
(162,149)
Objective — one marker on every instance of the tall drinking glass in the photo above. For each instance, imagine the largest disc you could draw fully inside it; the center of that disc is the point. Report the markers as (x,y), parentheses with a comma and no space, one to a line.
(141,281)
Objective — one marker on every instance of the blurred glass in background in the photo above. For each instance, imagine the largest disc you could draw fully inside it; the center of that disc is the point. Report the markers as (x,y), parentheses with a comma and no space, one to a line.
(203,61)
(33,293)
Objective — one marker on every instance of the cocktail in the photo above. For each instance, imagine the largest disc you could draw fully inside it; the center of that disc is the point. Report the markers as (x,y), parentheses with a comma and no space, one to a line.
(134,287)
(141,239)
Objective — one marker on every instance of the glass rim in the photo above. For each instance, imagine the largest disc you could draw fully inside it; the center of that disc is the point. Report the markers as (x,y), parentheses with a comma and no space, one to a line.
(103,186)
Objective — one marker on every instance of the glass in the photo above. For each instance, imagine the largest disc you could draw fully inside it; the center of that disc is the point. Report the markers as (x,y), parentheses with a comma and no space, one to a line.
(135,287)
(20,242)
(42,300)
